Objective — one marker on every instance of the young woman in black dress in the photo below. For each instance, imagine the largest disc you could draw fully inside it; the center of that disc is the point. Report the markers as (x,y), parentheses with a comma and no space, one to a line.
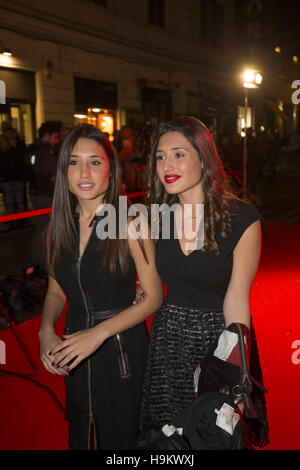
(207,288)
(104,347)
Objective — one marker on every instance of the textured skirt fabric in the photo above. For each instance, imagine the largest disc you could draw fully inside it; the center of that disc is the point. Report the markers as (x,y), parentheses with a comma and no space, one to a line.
(179,338)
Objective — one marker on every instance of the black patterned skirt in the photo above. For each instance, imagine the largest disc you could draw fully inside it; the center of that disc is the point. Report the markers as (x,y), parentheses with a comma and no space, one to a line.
(179,338)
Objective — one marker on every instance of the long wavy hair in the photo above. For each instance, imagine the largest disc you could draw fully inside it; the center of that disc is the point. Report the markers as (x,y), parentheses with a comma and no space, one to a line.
(62,229)
(216,187)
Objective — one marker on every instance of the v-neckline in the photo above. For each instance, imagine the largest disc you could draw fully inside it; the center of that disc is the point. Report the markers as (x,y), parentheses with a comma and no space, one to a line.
(80,255)
(94,220)
(178,240)
(179,246)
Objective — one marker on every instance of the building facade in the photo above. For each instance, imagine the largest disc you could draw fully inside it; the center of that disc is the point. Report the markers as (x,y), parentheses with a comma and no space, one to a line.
(118,63)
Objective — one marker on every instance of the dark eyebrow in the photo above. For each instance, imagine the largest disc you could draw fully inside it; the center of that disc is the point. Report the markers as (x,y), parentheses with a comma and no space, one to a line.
(90,156)
(174,148)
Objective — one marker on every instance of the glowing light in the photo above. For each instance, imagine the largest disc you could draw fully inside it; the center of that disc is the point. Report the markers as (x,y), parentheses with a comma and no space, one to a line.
(96,110)
(295,59)
(5,60)
(252,79)
(249,76)
(277,49)
(258,78)
(80,116)
(7,53)
(242,127)
(106,123)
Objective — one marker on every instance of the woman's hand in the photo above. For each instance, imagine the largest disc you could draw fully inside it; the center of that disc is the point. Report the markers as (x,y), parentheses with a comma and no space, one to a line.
(77,347)
(140,294)
(48,342)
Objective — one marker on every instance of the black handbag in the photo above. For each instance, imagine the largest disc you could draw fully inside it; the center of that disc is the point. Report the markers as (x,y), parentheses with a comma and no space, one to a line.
(213,421)
(226,369)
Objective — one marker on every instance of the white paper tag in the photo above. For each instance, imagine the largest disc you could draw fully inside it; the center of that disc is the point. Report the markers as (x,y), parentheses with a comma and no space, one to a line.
(227,419)
(227,341)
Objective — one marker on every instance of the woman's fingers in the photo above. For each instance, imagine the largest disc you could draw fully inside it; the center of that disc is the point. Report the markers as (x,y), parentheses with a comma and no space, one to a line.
(61,363)
(48,345)
(58,358)
(48,364)
(75,363)
(139,295)
(75,348)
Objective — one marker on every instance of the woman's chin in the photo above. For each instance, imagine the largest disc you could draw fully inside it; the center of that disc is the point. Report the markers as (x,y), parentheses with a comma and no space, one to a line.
(171,188)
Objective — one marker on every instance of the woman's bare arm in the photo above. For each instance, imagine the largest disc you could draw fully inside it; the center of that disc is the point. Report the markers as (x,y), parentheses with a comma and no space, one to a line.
(246,257)
(53,307)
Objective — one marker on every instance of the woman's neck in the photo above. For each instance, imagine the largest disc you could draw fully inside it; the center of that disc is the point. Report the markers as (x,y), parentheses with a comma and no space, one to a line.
(192,197)
(88,209)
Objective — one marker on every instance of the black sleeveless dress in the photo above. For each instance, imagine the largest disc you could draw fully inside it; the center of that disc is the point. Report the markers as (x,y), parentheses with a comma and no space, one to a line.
(190,322)
(106,387)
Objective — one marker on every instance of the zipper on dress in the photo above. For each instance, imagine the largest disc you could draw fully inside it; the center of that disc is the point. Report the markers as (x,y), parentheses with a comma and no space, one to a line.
(88,361)
(91,418)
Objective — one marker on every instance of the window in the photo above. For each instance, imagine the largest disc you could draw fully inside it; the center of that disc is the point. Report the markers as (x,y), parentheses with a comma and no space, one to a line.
(212,22)
(156,12)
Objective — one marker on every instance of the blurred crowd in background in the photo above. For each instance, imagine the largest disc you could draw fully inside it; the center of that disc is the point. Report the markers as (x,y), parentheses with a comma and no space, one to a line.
(27,173)
(268,155)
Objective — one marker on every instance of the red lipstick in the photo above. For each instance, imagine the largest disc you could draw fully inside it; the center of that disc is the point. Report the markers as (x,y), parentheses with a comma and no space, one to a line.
(171,178)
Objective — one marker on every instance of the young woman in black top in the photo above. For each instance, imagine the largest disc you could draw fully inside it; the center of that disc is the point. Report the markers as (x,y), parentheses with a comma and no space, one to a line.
(103,351)
(208,288)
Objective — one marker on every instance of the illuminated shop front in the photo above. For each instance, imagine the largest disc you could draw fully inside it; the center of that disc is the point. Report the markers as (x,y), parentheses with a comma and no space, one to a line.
(19,110)
(96,103)
(104,119)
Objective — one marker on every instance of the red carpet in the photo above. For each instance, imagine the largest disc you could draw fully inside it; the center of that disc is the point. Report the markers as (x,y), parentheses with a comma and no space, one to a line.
(30,418)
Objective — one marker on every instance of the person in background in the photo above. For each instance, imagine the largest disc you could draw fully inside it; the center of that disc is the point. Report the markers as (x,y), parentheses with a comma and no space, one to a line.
(18,144)
(12,172)
(64,132)
(14,139)
(43,170)
(127,155)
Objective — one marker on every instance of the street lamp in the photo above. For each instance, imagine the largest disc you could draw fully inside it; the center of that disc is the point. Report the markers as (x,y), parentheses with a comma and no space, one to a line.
(251,79)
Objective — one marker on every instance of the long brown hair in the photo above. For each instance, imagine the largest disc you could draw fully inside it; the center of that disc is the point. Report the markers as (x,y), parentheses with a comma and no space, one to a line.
(216,187)
(62,229)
